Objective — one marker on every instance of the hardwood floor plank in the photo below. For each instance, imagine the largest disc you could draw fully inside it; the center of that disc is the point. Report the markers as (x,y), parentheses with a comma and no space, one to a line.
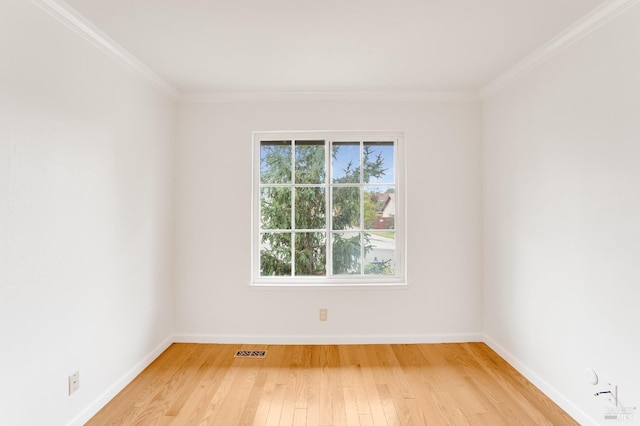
(148,386)
(420,377)
(210,375)
(235,400)
(327,389)
(300,417)
(271,367)
(505,398)
(313,374)
(275,408)
(443,386)
(386,401)
(454,373)
(375,403)
(423,384)
(352,417)
(416,416)
(534,403)
(303,384)
(293,384)
(366,420)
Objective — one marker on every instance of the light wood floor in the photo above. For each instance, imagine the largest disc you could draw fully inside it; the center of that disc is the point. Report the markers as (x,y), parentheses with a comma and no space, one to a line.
(435,384)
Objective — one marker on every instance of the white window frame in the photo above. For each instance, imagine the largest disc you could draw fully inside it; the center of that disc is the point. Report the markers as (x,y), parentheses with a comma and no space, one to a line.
(395,280)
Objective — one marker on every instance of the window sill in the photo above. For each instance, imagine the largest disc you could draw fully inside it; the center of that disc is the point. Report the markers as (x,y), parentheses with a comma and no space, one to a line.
(329,284)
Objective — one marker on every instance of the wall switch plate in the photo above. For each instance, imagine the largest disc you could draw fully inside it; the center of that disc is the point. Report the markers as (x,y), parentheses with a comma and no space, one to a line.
(323,314)
(74,382)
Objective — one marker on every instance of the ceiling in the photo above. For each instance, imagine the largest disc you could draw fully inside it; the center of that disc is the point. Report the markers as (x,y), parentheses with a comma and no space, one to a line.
(203,46)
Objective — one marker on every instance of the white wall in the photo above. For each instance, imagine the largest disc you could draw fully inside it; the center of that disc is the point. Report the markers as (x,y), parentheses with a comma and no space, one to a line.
(86,222)
(86,163)
(562,220)
(213,301)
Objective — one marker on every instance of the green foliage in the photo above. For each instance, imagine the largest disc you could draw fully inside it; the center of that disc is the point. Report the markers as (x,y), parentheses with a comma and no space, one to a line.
(310,210)
(275,207)
(380,267)
(346,254)
(346,207)
(275,162)
(275,257)
(310,163)
(370,209)
(372,167)
(311,255)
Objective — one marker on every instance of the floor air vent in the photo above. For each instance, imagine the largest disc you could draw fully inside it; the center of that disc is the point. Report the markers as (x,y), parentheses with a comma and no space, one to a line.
(250,354)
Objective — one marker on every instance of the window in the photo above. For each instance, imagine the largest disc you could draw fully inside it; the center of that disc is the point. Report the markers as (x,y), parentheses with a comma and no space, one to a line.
(328,208)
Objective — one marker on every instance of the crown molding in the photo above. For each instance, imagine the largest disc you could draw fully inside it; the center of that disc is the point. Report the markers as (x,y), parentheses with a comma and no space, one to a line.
(83,27)
(583,27)
(76,22)
(329,96)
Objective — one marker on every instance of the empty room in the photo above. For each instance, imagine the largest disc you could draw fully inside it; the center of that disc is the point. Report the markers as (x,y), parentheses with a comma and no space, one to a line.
(319,212)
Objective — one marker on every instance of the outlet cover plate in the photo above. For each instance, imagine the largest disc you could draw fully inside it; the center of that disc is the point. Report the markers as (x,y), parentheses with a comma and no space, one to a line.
(74,382)
(323,314)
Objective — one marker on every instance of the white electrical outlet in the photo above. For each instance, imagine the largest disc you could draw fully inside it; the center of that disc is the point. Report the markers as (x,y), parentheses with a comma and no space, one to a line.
(323,314)
(74,382)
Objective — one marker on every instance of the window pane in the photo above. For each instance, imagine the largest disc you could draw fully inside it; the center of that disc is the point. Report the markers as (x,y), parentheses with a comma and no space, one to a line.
(346,253)
(311,253)
(345,208)
(345,166)
(310,162)
(380,249)
(275,162)
(275,208)
(275,254)
(310,208)
(379,163)
(379,207)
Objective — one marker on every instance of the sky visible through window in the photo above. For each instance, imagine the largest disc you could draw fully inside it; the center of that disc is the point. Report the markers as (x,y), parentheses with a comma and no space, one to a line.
(349,152)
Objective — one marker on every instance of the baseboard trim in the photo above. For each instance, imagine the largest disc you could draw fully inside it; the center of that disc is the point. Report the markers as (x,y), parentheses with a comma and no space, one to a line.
(327,339)
(544,386)
(120,384)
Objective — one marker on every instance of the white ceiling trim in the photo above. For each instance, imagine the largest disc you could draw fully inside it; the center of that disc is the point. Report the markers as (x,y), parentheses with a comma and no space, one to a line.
(76,22)
(82,26)
(330,96)
(79,24)
(571,35)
